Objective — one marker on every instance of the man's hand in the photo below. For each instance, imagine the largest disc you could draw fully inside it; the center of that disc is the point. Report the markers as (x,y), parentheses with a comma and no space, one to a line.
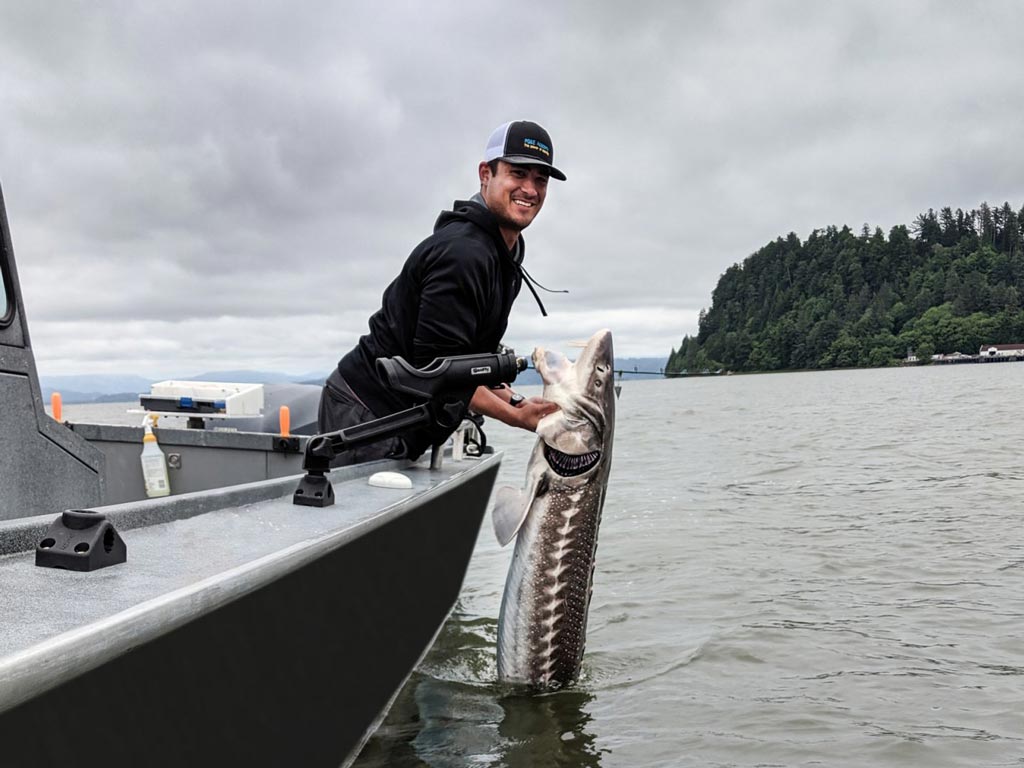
(532,410)
(494,403)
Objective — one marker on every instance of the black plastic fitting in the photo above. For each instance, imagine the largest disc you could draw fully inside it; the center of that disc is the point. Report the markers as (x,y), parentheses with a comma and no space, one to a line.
(81,540)
(314,490)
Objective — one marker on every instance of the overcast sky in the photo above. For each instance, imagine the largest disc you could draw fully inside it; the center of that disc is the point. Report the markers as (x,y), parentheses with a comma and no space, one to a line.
(201,185)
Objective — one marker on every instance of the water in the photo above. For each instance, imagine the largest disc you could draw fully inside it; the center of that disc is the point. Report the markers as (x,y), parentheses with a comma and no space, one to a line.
(821,569)
(796,569)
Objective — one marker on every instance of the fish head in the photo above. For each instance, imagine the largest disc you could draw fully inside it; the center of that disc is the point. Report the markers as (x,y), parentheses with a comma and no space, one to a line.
(575,444)
(593,368)
(578,436)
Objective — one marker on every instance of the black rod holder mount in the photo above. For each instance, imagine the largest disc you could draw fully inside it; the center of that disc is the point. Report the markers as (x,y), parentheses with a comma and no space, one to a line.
(81,540)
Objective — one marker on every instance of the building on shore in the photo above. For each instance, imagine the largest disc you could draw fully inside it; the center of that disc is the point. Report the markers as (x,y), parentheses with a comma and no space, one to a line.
(988,353)
(1001,351)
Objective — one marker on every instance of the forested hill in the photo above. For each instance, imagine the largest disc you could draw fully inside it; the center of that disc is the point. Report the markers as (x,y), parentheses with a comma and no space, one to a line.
(953,281)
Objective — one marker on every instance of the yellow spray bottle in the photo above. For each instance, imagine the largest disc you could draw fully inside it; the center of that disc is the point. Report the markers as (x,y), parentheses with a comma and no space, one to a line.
(154,464)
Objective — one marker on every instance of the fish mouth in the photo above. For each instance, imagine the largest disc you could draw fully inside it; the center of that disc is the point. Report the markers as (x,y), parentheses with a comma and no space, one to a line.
(570,465)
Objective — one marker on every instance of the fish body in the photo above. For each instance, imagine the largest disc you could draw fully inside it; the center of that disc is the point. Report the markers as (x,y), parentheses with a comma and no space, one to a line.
(543,620)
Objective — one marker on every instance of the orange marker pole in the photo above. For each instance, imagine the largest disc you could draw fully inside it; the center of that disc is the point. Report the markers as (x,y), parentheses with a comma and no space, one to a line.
(56,407)
(284,419)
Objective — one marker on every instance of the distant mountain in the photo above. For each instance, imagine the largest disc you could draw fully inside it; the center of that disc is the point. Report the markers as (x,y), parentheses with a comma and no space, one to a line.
(116,397)
(244,377)
(90,388)
(312,377)
(96,382)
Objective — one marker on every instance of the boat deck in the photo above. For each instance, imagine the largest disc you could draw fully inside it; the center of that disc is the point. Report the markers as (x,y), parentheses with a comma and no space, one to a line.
(183,562)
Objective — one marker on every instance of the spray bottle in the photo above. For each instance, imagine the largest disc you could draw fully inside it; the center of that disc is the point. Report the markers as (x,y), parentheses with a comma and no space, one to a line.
(154,465)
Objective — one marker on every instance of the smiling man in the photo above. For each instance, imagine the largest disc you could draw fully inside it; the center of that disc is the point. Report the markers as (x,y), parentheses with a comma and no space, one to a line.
(453,296)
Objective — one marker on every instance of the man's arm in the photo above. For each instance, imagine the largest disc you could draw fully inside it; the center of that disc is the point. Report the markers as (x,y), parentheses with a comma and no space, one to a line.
(454,301)
(494,403)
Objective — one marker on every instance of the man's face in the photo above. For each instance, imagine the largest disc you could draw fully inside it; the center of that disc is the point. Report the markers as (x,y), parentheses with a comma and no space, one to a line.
(515,193)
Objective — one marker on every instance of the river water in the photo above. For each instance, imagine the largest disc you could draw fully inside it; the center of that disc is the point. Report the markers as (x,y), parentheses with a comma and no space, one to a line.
(820,569)
(794,569)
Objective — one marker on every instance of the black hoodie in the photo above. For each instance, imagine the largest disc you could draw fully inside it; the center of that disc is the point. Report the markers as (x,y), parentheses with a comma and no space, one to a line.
(452,297)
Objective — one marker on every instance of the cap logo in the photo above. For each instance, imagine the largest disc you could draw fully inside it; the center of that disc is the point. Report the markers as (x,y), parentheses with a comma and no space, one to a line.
(538,146)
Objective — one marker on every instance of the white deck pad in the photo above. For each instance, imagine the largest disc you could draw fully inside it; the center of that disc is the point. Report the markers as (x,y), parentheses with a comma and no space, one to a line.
(390,480)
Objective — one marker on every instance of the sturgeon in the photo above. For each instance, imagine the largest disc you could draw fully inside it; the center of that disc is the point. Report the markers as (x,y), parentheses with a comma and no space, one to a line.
(543,620)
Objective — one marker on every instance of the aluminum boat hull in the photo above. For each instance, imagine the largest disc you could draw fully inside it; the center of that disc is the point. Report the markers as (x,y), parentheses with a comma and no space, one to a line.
(283,657)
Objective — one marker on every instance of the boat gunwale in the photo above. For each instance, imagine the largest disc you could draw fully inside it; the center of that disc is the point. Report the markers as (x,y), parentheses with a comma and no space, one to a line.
(20,534)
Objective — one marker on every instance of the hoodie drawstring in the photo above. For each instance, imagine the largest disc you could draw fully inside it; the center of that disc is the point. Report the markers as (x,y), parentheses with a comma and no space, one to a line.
(530,282)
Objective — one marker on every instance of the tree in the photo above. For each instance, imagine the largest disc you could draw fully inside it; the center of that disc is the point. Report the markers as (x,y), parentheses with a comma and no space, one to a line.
(927,228)
(843,299)
(950,232)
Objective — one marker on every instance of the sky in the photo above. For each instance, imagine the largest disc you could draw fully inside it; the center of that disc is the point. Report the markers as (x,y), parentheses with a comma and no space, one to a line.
(196,186)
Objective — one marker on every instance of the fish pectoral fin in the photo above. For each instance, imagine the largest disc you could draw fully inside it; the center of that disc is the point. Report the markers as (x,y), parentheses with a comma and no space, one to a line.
(511,506)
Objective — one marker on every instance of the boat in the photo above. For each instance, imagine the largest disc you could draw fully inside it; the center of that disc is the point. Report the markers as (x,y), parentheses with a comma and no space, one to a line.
(225,623)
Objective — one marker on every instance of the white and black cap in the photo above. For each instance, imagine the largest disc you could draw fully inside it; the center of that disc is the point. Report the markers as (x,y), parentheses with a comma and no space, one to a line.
(521,142)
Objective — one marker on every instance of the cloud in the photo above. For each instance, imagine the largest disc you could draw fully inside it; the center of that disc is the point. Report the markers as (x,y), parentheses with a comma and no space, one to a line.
(194,182)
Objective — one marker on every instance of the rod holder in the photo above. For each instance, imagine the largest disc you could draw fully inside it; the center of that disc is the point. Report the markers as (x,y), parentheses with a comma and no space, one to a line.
(81,540)
(314,490)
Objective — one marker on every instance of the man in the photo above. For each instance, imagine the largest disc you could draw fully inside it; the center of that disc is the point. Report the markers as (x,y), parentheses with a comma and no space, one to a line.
(452,297)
